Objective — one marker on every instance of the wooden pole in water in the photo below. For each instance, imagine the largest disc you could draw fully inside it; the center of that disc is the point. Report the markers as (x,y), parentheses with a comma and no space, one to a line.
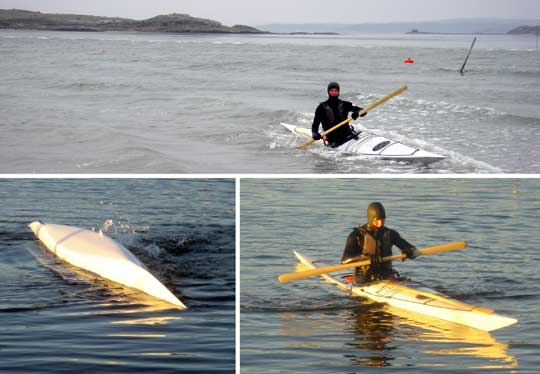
(468,55)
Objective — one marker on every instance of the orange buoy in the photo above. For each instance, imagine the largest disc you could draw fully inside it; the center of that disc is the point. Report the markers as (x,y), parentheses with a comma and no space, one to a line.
(408,61)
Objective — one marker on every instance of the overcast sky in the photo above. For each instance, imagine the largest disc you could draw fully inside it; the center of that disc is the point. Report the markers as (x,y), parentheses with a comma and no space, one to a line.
(256,12)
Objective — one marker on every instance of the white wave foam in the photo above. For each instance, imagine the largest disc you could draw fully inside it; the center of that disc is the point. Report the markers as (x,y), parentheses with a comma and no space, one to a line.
(455,162)
(455,159)
(122,228)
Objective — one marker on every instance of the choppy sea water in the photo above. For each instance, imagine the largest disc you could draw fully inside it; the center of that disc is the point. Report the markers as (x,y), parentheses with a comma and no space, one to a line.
(309,326)
(57,318)
(130,102)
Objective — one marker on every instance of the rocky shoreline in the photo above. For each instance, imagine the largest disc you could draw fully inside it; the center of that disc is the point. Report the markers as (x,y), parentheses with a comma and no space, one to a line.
(173,23)
(521,30)
(170,23)
(525,30)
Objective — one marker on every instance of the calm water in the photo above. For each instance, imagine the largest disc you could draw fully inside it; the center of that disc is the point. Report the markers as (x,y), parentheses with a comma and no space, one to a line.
(120,102)
(56,318)
(309,326)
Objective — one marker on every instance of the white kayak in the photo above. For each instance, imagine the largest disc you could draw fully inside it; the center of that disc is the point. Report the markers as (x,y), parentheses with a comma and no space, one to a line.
(103,256)
(416,298)
(375,146)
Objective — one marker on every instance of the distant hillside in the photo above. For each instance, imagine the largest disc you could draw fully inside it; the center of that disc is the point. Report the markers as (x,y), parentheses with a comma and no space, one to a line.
(178,23)
(525,30)
(455,26)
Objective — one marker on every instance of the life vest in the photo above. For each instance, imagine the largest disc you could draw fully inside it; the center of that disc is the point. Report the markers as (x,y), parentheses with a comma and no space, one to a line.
(381,246)
(330,117)
(369,245)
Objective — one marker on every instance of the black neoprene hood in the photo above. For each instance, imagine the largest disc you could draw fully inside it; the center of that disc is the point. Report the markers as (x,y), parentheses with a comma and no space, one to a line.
(375,210)
(332,85)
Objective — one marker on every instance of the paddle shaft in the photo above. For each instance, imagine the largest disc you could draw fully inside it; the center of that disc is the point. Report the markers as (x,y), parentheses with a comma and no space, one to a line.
(371,106)
(449,247)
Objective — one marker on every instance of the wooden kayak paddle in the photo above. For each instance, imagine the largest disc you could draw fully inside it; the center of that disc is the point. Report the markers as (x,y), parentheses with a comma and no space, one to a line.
(448,247)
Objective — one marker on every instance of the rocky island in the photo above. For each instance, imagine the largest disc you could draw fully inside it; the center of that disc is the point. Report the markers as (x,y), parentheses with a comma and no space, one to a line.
(416,31)
(173,23)
(522,30)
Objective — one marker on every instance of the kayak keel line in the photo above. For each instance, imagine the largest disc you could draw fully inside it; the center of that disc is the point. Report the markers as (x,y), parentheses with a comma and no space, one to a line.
(103,256)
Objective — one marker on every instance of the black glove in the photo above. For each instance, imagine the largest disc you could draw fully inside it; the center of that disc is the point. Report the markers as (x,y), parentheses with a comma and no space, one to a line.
(376,260)
(357,109)
(316,136)
(354,115)
(412,253)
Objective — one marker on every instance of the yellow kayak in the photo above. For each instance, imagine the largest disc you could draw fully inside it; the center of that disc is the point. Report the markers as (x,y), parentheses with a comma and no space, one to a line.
(416,298)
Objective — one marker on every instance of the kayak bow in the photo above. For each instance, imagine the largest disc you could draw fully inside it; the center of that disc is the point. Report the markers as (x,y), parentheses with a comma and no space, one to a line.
(103,256)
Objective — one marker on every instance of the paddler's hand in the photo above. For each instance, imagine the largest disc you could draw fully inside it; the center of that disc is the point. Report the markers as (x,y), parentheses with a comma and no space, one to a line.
(357,110)
(412,253)
(316,136)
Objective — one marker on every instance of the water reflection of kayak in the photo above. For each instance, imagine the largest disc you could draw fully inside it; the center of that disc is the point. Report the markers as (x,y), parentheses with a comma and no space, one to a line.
(421,300)
(375,146)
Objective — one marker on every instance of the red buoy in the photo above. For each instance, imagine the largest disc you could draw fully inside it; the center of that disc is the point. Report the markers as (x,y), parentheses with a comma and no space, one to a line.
(408,61)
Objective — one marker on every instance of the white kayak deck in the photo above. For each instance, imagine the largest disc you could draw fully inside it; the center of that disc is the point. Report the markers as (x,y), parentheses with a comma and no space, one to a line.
(375,146)
(103,256)
(416,298)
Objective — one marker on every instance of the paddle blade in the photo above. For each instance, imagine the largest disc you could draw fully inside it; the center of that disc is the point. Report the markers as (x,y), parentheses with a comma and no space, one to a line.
(327,269)
(448,247)
(305,144)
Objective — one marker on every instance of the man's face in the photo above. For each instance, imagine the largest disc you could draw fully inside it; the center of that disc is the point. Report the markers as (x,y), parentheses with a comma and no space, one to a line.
(377,223)
(333,92)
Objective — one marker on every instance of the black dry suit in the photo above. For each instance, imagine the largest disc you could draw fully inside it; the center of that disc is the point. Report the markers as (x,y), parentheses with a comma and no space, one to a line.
(367,242)
(330,113)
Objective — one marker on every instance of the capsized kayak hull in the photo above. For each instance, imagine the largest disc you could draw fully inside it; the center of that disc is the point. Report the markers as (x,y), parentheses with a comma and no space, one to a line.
(103,256)
(377,147)
(418,299)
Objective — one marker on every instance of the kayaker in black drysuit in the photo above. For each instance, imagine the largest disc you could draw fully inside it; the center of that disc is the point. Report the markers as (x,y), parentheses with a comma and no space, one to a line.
(330,113)
(374,241)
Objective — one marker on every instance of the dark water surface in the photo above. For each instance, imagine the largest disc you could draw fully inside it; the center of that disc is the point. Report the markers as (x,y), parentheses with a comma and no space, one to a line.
(56,318)
(130,102)
(309,326)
